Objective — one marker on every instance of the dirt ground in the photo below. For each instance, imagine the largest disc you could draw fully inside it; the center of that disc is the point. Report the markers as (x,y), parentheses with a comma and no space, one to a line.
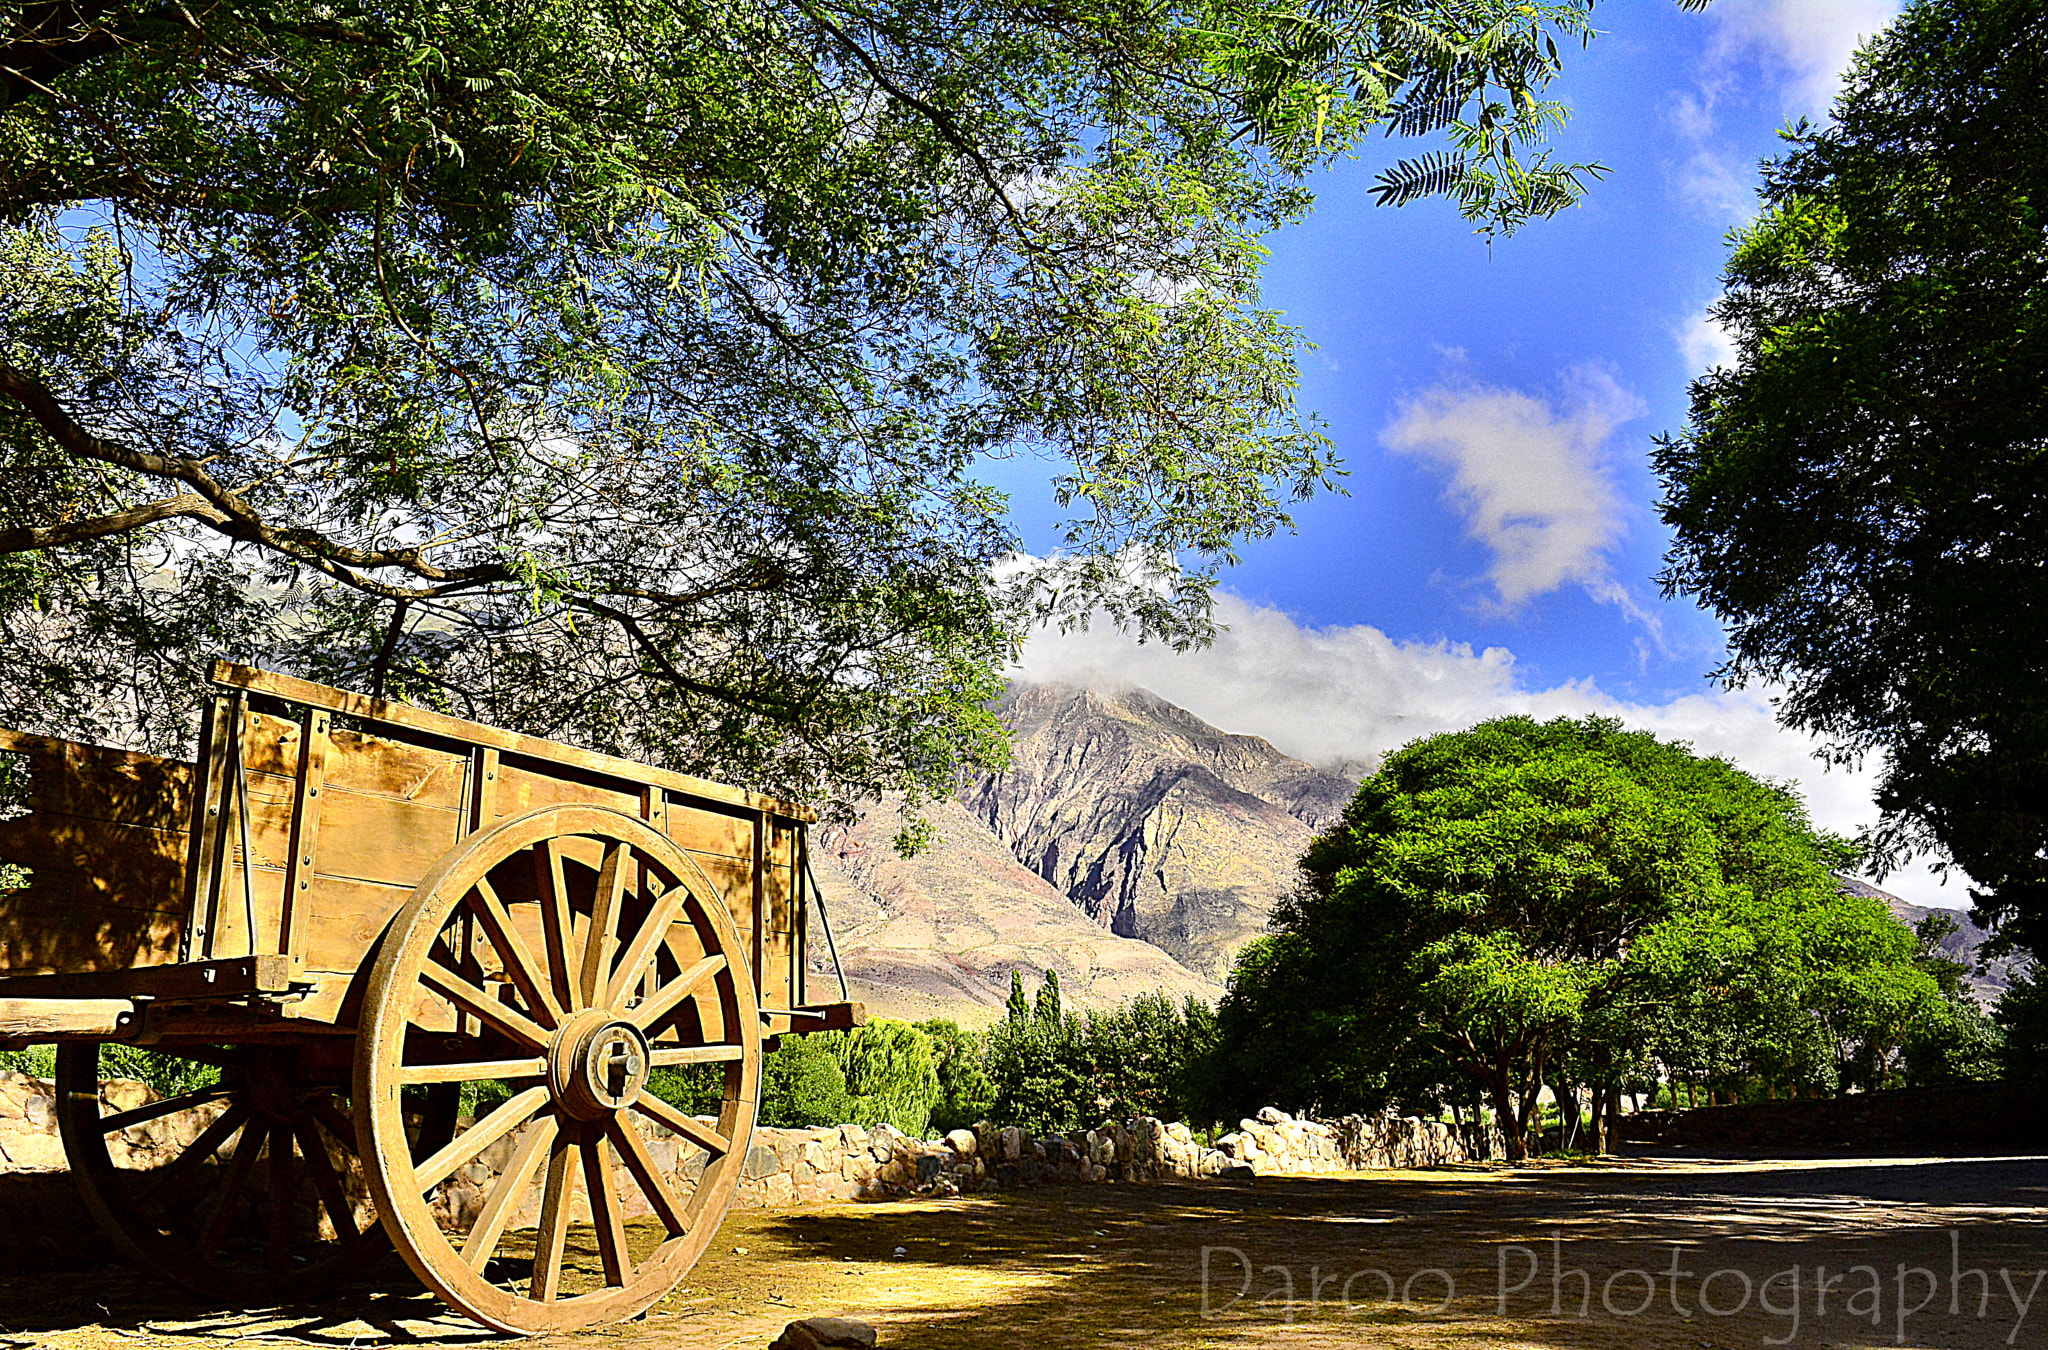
(1861,1252)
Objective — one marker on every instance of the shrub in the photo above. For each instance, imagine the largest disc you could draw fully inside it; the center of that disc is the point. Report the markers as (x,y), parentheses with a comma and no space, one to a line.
(967,1095)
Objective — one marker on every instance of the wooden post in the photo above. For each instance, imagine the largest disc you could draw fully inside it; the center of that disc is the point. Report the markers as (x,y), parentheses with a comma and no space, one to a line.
(209,830)
(483,789)
(761,825)
(314,744)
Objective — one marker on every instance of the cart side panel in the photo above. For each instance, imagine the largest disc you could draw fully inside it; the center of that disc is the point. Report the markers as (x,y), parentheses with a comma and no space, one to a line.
(373,816)
(104,841)
(386,812)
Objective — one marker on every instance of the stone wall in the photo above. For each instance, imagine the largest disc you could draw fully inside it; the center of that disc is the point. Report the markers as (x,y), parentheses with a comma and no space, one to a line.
(1276,1144)
(1986,1117)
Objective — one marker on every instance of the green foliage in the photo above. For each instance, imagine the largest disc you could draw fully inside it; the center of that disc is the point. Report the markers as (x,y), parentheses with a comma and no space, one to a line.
(1045,1010)
(620,373)
(1057,1072)
(1862,495)
(1563,904)
(37,1061)
(967,1095)
(882,1072)
(2022,1018)
(890,1074)
(698,1089)
(803,1083)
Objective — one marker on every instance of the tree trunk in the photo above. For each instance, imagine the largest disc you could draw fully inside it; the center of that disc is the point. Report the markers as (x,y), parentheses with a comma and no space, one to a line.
(1510,1120)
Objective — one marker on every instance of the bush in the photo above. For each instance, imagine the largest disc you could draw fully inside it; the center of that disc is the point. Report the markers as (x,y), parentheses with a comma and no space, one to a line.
(890,1075)
(967,1095)
(38,1061)
(803,1084)
(880,1073)
(1053,1071)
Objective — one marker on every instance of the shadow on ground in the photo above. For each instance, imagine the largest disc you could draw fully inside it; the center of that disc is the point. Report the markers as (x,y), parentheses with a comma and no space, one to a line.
(1816,1253)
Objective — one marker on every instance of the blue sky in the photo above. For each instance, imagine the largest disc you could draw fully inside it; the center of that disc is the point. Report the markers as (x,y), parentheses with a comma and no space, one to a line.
(1495,408)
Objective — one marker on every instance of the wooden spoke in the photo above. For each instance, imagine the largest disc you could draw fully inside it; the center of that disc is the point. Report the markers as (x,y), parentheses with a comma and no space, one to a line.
(667,1056)
(141,1114)
(205,1146)
(473,1070)
(502,1120)
(605,1212)
(246,1149)
(338,1125)
(653,933)
(279,1245)
(665,999)
(520,967)
(473,1000)
(599,939)
(661,1197)
(556,922)
(506,1195)
(696,1131)
(326,1181)
(553,1232)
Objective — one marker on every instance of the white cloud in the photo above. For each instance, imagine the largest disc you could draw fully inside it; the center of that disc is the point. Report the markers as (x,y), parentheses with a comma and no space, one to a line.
(1705,343)
(1716,186)
(1809,42)
(1351,693)
(1531,480)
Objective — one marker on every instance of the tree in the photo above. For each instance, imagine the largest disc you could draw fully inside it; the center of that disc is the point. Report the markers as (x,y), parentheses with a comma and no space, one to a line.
(966,1095)
(1523,904)
(1862,496)
(619,371)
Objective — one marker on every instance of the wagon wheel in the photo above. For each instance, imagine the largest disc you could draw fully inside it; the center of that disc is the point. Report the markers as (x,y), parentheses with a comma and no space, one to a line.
(254,1198)
(565,954)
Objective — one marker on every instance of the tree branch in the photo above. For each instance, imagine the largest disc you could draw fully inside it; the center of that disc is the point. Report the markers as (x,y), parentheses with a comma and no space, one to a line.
(937,116)
(28,538)
(233,516)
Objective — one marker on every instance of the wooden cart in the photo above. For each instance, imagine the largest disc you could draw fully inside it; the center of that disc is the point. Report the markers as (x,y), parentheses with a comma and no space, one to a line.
(347,910)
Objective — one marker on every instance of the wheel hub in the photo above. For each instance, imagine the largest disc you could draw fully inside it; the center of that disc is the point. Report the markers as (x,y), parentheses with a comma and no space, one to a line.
(598,1064)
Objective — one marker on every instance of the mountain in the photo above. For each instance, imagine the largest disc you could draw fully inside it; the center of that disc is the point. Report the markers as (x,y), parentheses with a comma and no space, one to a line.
(1961,945)
(939,934)
(1151,822)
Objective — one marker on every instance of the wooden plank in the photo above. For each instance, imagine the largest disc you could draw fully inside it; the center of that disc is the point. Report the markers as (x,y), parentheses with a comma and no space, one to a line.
(343,918)
(527,786)
(382,839)
(758,898)
(237,977)
(305,836)
(124,866)
(358,762)
(93,782)
(209,821)
(64,935)
(477,734)
(703,831)
(377,766)
(42,1019)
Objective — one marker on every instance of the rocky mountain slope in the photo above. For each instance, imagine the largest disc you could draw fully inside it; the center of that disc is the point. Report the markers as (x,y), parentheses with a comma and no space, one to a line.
(1150,821)
(938,935)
